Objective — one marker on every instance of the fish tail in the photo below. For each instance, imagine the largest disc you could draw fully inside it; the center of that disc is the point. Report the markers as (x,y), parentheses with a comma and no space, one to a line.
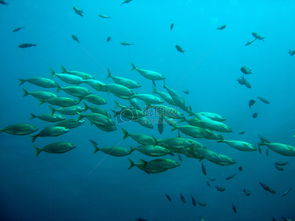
(132,164)
(133,67)
(34,137)
(80,116)
(22,81)
(63,69)
(125,133)
(38,150)
(26,93)
(58,88)
(53,110)
(109,73)
(52,72)
(220,141)
(263,141)
(95,145)
(33,116)
(174,127)
(86,107)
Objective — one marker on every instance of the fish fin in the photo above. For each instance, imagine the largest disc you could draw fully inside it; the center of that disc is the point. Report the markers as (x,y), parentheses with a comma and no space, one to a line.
(86,107)
(125,133)
(26,93)
(132,164)
(154,83)
(95,145)
(173,128)
(115,113)
(38,150)
(220,141)
(133,67)
(52,72)
(21,81)
(263,140)
(155,139)
(34,137)
(53,110)
(33,116)
(63,69)
(109,73)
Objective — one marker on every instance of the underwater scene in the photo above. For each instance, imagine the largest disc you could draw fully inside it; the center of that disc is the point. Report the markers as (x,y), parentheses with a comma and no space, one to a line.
(147,110)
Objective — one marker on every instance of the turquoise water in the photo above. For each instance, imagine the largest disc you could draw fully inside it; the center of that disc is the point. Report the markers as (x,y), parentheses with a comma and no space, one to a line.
(80,185)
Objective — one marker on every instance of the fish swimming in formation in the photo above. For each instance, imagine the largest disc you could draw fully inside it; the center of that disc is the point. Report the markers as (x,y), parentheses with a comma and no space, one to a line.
(50,131)
(257,36)
(125,43)
(19,129)
(239,145)
(57,148)
(40,81)
(26,45)
(220,188)
(194,202)
(123,81)
(18,29)
(115,151)
(280,148)
(78,11)
(250,42)
(231,176)
(54,118)
(75,38)
(244,81)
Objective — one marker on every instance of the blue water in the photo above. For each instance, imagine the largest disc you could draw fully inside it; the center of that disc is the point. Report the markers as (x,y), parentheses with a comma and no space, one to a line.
(83,186)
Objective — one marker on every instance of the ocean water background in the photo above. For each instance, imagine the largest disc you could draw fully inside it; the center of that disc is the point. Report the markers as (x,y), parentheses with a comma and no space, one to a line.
(80,185)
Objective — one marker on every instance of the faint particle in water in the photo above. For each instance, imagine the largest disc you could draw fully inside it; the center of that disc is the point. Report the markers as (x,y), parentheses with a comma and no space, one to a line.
(125,43)
(255,115)
(104,16)
(234,208)
(18,29)
(242,132)
(231,176)
(220,188)
(263,100)
(168,197)
(286,192)
(291,52)
(202,218)
(19,129)
(240,168)
(180,157)
(109,38)
(267,188)
(126,2)
(182,198)
(179,49)
(208,183)
(2,2)
(171,26)
(204,171)
(27,45)
(222,27)
(194,202)
(250,42)
(259,149)
(75,38)
(251,103)
(267,152)
(78,11)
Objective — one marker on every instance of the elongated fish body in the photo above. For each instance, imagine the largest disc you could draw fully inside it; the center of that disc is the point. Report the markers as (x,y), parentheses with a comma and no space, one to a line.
(177,99)
(153,150)
(95,84)
(96,109)
(210,124)
(70,123)
(57,148)
(40,81)
(210,115)
(239,145)
(165,96)
(178,144)
(196,132)
(80,74)
(95,99)
(217,158)
(115,151)
(51,131)
(119,90)
(63,101)
(145,122)
(49,117)
(135,103)
(167,111)
(149,98)
(140,138)
(76,91)
(124,81)
(68,78)
(151,75)
(73,110)
(40,95)
(155,166)
(19,129)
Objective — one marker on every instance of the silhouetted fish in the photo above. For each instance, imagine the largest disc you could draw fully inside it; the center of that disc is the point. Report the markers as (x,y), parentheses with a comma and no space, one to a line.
(259,149)
(287,192)
(274,219)
(204,171)
(267,188)
(179,49)
(279,168)
(247,192)
(263,100)
(202,204)
(126,1)
(267,152)
(234,208)
(141,219)
(220,188)
(75,38)
(250,42)
(180,157)
(231,176)
(78,11)
(186,91)
(281,163)
(242,132)
(109,38)
(221,27)
(240,168)
(194,202)
(208,183)
(171,26)
(161,124)
(251,103)
(27,45)
(168,197)
(18,29)
(182,198)
(255,115)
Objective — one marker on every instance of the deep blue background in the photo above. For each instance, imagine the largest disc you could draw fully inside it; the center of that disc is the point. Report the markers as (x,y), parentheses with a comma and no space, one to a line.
(82,186)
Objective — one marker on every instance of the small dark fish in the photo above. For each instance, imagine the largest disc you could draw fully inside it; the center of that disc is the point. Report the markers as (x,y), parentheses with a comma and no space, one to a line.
(168,197)
(179,49)
(208,183)
(242,132)
(194,202)
(180,157)
(18,29)
(255,115)
(109,38)
(243,81)
(263,100)
(204,171)
(287,192)
(182,198)
(251,103)
(186,91)
(246,70)
(291,52)
(2,2)
(27,45)
(171,26)
(247,192)
(234,208)
(75,38)
(257,36)
(126,43)
(240,168)
(267,152)
(279,168)
(221,27)
(126,1)
(202,204)
(161,124)
(231,176)
(220,188)
(281,163)
(250,42)
(78,11)
(141,219)
(267,188)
